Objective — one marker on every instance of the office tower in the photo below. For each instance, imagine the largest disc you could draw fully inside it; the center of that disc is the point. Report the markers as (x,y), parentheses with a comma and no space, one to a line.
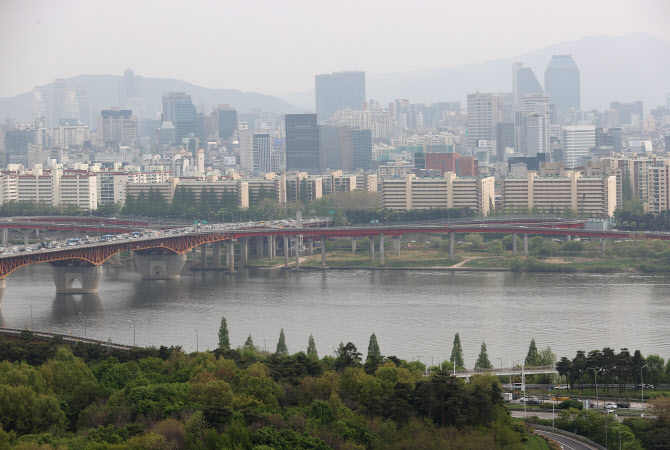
(302,142)
(629,113)
(577,141)
(485,111)
(255,149)
(227,122)
(178,109)
(524,83)
(667,143)
(131,87)
(117,127)
(361,141)
(330,147)
(562,82)
(17,143)
(536,125)
(337,91)
(504,138)
(39,102)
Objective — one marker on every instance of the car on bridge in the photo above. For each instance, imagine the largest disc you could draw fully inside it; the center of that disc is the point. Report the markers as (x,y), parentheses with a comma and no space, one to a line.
(562,386)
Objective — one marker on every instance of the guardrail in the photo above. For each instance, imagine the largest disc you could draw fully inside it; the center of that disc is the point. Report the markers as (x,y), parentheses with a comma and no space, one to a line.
(579,437)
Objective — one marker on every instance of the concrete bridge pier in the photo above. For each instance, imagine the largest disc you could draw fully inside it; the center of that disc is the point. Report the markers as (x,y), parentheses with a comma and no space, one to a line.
(230,251)
(452,243)
(272,247)
(244,250)
(297,252)
(159,267)
(525,245)
(116,259)
(381,250)
(25,238)
(194,256)
(203,255)
(216,254)
(259,246)
(568,237)
(372,249)
(77,279)
(310,247)
(5,237)
(353,245)
(323,252)
(286,251)
(514,243)
(396,245)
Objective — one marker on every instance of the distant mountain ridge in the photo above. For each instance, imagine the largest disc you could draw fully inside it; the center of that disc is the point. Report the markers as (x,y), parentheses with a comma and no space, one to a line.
(631,67)
(105,90)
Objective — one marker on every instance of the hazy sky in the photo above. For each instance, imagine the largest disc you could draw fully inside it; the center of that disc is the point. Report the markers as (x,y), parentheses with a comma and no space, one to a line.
(276,47)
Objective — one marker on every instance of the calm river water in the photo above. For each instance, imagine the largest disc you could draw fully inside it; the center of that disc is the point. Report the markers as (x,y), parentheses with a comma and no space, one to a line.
(414,314)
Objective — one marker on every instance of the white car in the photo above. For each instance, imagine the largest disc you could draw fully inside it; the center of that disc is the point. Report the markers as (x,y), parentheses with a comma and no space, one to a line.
(610,406)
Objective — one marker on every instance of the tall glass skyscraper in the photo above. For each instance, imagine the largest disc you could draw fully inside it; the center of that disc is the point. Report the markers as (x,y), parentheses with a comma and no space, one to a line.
(524,83)
(178,109)
(561,82)
(302,142)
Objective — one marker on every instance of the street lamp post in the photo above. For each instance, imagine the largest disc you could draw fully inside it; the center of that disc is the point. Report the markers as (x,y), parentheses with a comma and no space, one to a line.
(642,383)
(31,315)
(595,376)
(196,339)
(500,367)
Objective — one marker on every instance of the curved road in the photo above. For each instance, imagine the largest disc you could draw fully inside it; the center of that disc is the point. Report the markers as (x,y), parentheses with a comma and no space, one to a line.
(565,442)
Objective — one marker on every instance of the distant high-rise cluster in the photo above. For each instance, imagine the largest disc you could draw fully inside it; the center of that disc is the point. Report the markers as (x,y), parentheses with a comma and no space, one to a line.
(338,91)
(562,83)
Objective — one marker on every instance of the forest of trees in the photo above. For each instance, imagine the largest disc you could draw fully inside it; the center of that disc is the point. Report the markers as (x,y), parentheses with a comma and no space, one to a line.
(89,396)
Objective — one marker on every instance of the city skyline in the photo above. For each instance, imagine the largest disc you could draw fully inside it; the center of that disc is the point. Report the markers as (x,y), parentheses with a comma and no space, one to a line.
(27,23)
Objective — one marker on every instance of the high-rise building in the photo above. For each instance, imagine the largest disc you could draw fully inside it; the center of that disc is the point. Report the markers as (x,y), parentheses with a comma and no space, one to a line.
(536,126)
(485,111)
(337,91)
(131,88)
(629,113)
(178,109)
(227,122)
(667,142)
(255,149)
(524,83)
(504,138)
(117,127)
(562,82)
(302,142)
(361,141)
(577,141)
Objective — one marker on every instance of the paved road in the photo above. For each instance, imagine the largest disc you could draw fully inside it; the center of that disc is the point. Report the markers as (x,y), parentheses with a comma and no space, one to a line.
(565,442)
(529,413)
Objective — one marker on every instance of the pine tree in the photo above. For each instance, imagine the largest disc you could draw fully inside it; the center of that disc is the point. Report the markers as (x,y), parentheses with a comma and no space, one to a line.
(457,352)
(281,344)
(532,359)
(311,348)
(373,347)
(374,358)
(249,344)
(483,359)
(224,339)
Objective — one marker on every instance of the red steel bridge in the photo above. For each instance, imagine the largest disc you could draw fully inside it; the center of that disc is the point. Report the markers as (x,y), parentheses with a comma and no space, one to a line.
(163,256)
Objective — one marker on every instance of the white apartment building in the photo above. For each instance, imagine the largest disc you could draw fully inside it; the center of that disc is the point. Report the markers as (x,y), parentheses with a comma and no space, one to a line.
(70,136)
(594,196)
(450,191)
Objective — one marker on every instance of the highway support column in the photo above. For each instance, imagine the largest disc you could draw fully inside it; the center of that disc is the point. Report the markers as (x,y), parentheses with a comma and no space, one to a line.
(323,252)
(372,249)
(25,238)
(525,245)
(286,251)
(396,245)
(259,246)
(216,254)
(203,255)
(353,245)
(514,244)
(381,250)
(230,250)
(297,252)
(194,256)
(310,247)
(5,237)
(244,250)
(452,243)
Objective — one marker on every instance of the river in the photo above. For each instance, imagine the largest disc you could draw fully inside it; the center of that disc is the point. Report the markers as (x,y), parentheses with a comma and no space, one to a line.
(413,313)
